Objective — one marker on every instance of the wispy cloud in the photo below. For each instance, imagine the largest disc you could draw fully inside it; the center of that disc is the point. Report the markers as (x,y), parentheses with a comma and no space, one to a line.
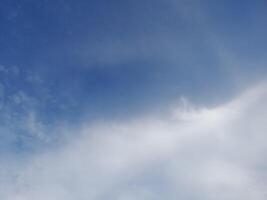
(81,61)
(194,153)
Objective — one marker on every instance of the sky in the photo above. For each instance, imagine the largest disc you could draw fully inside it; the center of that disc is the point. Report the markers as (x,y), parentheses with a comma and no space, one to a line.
(127,100)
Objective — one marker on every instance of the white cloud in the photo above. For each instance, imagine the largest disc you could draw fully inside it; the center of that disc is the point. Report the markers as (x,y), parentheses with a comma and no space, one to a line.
(196,153)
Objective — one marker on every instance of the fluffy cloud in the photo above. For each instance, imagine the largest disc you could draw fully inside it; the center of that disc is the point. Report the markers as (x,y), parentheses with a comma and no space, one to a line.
(193,153)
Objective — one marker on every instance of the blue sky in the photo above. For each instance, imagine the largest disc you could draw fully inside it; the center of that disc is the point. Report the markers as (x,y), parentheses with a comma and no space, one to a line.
(77,73)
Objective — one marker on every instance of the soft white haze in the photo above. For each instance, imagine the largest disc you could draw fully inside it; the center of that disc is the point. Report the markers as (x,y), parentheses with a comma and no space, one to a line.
(193,153)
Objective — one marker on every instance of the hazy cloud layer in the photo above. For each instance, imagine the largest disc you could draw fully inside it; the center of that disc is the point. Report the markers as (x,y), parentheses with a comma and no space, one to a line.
(193,153)
(66,64)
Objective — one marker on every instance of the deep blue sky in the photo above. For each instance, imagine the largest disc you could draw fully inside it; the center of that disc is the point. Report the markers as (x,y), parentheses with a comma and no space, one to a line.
(133,99)
(68,59)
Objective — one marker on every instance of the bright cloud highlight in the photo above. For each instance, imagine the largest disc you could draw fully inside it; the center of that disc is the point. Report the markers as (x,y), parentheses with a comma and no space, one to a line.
(194,153)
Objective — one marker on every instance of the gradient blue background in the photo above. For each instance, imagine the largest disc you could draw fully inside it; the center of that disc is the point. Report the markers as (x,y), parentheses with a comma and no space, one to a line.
(66,60)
